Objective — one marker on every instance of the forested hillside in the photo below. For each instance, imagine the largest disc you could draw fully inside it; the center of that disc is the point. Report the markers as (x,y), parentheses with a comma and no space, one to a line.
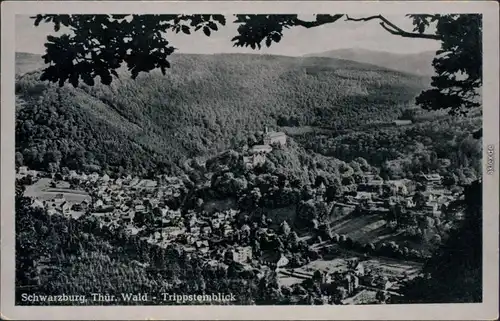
(444,145)
(204,103)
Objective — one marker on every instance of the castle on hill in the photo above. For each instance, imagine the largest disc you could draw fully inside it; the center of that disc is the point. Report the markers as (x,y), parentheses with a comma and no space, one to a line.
(258,152)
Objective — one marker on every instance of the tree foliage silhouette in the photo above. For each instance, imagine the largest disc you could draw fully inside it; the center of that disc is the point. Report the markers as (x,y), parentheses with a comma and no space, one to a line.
(97,45)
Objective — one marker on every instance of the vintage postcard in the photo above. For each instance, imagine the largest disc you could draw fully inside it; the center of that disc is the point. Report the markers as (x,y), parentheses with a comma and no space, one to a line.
(246,160)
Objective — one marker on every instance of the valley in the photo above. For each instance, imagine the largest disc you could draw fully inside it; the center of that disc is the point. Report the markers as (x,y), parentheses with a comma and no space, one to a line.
(293,180)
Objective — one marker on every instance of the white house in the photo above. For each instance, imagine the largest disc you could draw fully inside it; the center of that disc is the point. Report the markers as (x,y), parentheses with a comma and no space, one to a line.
(23,170)
(105,178)
(242,254)
(261,149)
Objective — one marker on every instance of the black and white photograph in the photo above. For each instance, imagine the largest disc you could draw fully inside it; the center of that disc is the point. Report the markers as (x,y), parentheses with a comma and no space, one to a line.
(224,158)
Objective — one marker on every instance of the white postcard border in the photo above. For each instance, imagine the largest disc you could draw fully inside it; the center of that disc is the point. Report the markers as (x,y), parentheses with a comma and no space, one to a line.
(486,310)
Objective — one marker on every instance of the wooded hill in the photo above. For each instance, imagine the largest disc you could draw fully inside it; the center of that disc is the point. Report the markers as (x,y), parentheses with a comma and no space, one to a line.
(204,103)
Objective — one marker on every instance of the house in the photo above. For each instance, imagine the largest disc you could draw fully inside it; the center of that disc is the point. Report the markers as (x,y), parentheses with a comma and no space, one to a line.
(193,221)
(242,254)
(174,214)
(321,189)
(228,230)
(134,181)
(128,216)
(37,204)
(23,170)
(443,200)
(356,267)
(231,213)
(382,283)
(202,245)
(351,282)
(216,224)
(73,174)
(409,203)
(363,196)
(254,160)
(432,207)
(59,199)
(140,208)
(258,149)
(65,208)
(150,183)
(274,137)
(399,186)
(245,230)
(195,230)
(274,259)
(206,230)
(173,231)
(94,177)
(154,202)
(431,179)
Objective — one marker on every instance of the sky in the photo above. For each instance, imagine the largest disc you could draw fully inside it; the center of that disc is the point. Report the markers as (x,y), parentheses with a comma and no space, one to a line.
(297,41)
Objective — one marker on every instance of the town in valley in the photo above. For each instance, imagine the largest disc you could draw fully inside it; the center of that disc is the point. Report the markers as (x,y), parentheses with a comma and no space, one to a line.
(364,245)
(223,159)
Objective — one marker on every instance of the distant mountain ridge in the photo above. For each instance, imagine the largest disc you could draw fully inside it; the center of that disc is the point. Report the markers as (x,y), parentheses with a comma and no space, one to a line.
(418,63)
(26,62)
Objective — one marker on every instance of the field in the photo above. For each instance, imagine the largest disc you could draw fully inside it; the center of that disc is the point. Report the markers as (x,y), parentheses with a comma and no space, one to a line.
(42,192)
(392,269)
(372,229)
(366,228)
(337,264)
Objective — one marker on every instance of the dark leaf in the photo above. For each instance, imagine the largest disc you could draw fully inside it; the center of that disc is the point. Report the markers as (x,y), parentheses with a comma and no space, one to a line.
(212,25)
(51,38)
(206,31)
(186,30)
(220,18)
(38,20)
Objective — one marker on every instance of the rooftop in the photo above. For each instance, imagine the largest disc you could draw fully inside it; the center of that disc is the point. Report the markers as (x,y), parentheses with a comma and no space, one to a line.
(275,134)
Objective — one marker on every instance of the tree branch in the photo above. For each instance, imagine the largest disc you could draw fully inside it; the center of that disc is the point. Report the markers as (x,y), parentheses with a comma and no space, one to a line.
(320,20)
(395,30)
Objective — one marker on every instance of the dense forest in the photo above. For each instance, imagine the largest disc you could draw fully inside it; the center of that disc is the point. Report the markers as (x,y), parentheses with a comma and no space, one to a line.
(444,145)
(203,104)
